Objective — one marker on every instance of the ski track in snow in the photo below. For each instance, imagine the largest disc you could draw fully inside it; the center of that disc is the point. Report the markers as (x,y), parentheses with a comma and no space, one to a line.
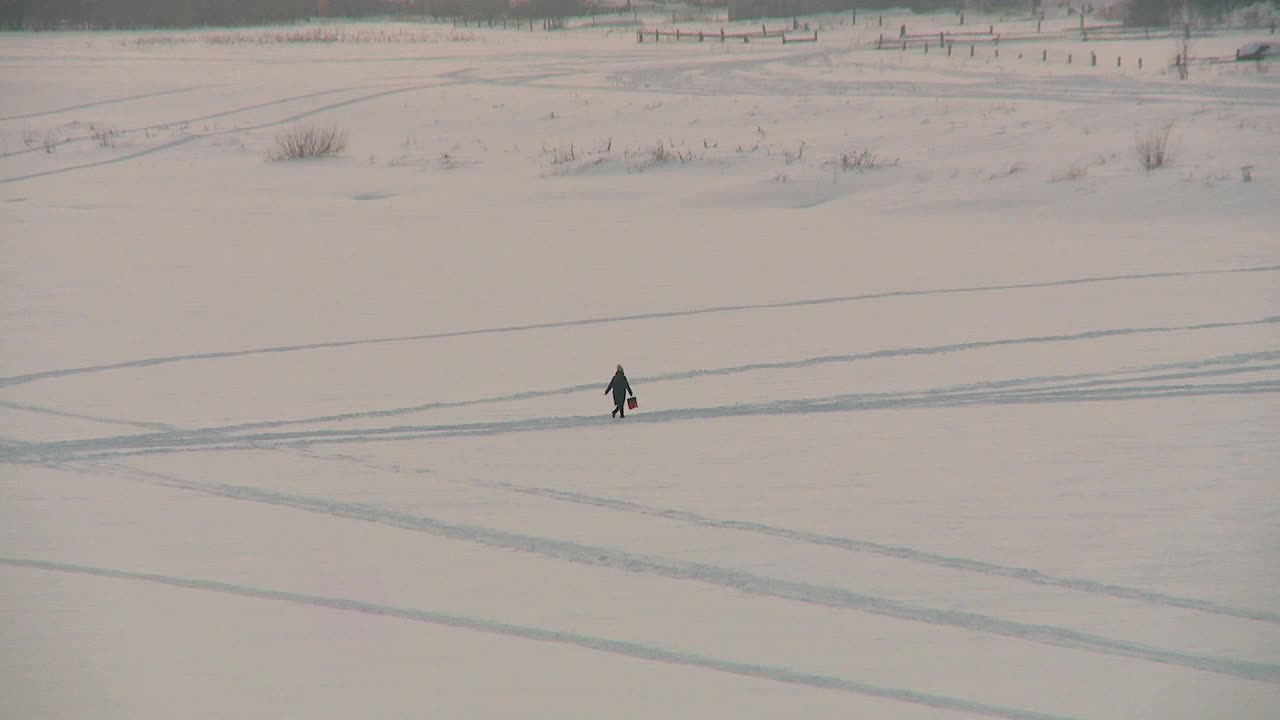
(157,127)
(147,362)
(16,451)
(1087,387)
(99,103)
(898,552)
(674,569)
(852,544)
(525,632)
(215,133)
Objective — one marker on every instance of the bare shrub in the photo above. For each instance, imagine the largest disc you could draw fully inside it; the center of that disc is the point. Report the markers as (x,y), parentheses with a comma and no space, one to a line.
(105,137)
(1152,146)
(563,155)
(1183,58)
(660,154)
(306,141)
(797,156)
(859,161)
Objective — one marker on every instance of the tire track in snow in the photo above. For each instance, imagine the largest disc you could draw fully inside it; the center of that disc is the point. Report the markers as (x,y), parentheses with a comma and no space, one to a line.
(680,570)
(527,632)
(896,552)
(213,116)
(1103,378)
(97,103)
(752,77)
(196,440)
(189,138)
(164,360)
(110,161)
(22,407)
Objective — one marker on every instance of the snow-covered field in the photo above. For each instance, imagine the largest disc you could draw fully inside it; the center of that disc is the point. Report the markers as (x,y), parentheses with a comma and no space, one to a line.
(947,407)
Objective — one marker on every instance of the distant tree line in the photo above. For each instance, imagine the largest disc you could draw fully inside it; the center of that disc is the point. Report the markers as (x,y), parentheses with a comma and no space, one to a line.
(104,14)
(1156,13)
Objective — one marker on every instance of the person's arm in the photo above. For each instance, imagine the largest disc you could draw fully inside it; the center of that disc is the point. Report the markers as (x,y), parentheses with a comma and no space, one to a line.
(606,390)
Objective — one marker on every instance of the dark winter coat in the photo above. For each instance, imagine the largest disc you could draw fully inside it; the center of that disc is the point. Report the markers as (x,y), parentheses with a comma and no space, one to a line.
(620,387)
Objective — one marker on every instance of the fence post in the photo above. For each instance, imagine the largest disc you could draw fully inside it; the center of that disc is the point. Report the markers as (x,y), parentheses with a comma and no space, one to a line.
(764,32)
(855,16)
(639,36)
(970,49)
(926,47)
(1093,59)
(699,36)
(949,45)
(997,52)
(1068,58)
(942,37)
(1044,56)
(1118,59)
(1139,63)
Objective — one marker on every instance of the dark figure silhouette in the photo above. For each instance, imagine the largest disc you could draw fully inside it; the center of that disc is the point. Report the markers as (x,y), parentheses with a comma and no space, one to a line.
(620,389)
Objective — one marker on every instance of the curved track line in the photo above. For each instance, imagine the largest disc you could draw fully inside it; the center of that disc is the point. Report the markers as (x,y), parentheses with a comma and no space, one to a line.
(22,407)
(163,360)
(187,121)
(112,161)
(897,552)
(216,133)
(196,440)
(526,632)
(1192,369)
(750,583)
(129,98)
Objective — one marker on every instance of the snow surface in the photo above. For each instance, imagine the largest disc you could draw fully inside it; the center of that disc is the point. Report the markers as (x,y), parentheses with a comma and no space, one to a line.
(947,407)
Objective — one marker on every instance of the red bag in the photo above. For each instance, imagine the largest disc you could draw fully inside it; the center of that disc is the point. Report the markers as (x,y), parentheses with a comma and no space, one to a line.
(632,403)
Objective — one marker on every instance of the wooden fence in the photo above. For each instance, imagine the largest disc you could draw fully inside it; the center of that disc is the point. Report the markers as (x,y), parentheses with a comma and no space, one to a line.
(678,35)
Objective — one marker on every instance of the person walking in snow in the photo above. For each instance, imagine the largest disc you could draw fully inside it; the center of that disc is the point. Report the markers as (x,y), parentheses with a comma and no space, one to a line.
(620,389)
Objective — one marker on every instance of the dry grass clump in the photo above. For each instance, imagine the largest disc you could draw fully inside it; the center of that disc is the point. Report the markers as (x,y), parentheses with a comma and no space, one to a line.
(1152,146)
(308,141)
